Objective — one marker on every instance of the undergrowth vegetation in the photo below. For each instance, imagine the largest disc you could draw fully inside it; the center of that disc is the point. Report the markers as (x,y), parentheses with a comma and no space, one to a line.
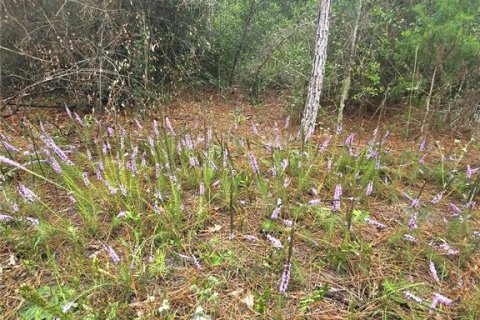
(145,219)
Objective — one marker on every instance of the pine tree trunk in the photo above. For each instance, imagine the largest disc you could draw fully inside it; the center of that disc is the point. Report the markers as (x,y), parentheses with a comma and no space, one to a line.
(312,103)
(348,79)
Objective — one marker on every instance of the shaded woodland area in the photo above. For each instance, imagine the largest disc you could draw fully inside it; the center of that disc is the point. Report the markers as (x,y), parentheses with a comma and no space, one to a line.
(417,55)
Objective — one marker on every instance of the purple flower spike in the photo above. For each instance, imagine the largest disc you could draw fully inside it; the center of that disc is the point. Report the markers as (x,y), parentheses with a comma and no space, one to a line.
(5,217)
(440,299)
(274,241)
(454,209)
(471,171)
(410,296)
(412,223)
(349,140)
(369,190)
(285,278)
(336,197)
(438,197)
(433,272)
(26,193)
(253,162)
(113,255)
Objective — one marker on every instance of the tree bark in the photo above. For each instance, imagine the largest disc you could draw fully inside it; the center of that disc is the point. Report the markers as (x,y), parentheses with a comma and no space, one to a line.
(348,79)
(312,104)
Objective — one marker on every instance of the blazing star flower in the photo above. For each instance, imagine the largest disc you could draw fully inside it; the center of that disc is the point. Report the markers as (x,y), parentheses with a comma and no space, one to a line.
(122,214)
(369,189)
(69,113)
(454,209)
(9,147)
(253,162)
(410,238)
(314,202)
(336,197)
(422,145)
(415,203)
(11,162)
(471,205)
(287,122)
(33,221)
(5,217)
(287,222)
(276,212)
(155,128)
(285,278)
(410,296)
(412,223)
(26,193)
(375,223)
(79,120)
(196,263)
(169,126)
(349,140)
(325,144)
(433,272)
(438,197)
(139,125)
(15,207)
(274,241)
(440,299)
(250,237)
(471,171)
(339,129)
(449,249)
(113,255)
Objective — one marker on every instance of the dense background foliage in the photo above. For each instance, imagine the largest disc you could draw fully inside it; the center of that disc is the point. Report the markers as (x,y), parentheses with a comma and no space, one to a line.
(136,50)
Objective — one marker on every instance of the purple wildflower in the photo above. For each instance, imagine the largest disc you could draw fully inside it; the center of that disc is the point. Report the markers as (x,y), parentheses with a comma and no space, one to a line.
(412,223)
(471,205)
(253,162)
(449,249)
(202,188)
(276,212)
(113,255)
(375,223)
(325,144)
(33,221)
(339,129)
(122,214)
(5,217)
(69,113)
(438,197)
(471,171)
(274,241)
(11,162)
(454,209)
(15,207)
(410,296)
(410,238)
(336,197)
(349,140)
(196,263)
(155,128)
(369,189)
(250,237)
(287,122)
(55,165)
(110,131)
(415,203)
(139,125)
(79,120)
(422,145)
(287,222)
(9,147)
(440,299)
(285,278)
(314,202)
(169,126)
(26,193)
(433,272)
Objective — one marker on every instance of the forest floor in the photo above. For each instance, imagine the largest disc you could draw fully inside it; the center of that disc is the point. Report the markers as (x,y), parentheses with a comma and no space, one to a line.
(228,215)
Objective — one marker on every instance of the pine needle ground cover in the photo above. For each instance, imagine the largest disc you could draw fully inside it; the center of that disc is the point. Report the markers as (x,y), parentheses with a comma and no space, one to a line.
(142,218)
